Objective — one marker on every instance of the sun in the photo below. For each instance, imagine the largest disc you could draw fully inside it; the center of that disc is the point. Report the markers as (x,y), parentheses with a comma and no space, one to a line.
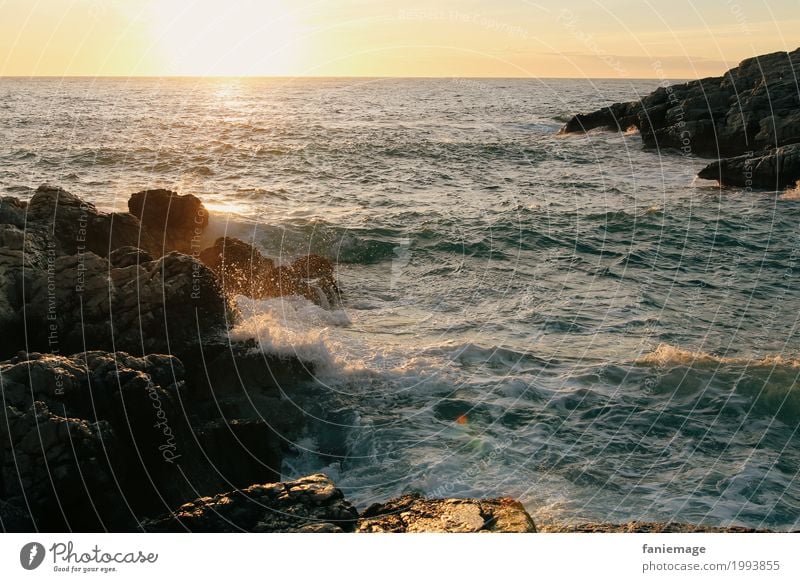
(226,37)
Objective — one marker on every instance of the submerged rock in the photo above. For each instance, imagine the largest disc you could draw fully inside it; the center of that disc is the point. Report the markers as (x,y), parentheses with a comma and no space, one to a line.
(412,513)
(309,504)
(750,110)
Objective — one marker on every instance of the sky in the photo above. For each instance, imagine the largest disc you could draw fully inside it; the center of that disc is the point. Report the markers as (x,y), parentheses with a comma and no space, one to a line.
(674,39)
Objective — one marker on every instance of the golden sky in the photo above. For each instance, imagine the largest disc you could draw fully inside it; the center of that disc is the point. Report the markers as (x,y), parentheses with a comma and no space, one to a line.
(444,38)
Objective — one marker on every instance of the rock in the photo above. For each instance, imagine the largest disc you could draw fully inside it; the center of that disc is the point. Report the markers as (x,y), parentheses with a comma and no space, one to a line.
(412,513)
(77,226)
(243,270)
(22,252)
(774,170)
(309,504)
(245,451)
(174,222)
(12,211)
(127,256)
(101,440)
(750,110)
(14,519)
(80,301)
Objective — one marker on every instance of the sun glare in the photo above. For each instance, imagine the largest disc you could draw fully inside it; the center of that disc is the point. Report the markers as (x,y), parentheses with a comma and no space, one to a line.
(225,38)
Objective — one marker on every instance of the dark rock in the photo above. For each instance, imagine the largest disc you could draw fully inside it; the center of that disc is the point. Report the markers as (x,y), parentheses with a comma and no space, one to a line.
(77,226)
(127,256)
(750,110)
(81,301)
(101,440)
(174,222)
(774,170)
(243,451)
(243,270)
(12,211)
(14,519)
(412,513)
(309,504)
(21,251)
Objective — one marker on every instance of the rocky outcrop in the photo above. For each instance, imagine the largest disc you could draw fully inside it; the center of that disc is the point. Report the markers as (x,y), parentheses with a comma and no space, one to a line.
(173,221)
(102,440)
(81,301)
(749,111)
(105,438)
(309,504)
(776,169)
(243,270)
(412,513)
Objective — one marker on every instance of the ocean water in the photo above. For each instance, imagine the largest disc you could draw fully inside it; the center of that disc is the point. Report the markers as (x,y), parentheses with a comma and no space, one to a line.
(568,320)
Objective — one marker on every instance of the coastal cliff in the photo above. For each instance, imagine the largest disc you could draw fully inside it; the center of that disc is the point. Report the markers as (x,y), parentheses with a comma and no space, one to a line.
(748,119)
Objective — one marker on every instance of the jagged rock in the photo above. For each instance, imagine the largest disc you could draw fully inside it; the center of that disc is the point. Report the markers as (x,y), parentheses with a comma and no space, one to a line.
(175,222)
(101,440)
(127,256)
(81,301)
(12,211)
(773,170)
(309,504)
(751,109)
(412,513)
(87,436)
(77,226)
(243,270)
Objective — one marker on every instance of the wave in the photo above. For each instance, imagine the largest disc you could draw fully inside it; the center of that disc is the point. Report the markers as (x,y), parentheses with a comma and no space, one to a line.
(667,355)
(493,357)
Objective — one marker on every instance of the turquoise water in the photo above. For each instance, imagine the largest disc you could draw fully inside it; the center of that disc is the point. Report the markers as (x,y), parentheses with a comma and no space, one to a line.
(565,319)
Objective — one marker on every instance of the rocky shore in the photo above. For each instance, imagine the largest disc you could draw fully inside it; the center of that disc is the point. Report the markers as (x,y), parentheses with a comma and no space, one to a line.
(747,119)
(127,407)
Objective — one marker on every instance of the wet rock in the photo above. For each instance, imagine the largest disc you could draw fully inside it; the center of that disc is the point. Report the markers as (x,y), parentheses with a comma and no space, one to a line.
(85,436)
(21,251)
(309,504)
(243,270)
(773,170)
(173,221)
(750,110)
(412,513)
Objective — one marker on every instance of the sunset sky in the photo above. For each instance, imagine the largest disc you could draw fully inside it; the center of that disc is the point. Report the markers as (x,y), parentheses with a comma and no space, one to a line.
(474,38)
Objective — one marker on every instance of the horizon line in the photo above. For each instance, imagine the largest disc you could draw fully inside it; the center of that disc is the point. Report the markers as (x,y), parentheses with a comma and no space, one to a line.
(439,77)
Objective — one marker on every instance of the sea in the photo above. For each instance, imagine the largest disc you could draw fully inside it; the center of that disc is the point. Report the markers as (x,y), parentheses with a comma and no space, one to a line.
(568,320)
